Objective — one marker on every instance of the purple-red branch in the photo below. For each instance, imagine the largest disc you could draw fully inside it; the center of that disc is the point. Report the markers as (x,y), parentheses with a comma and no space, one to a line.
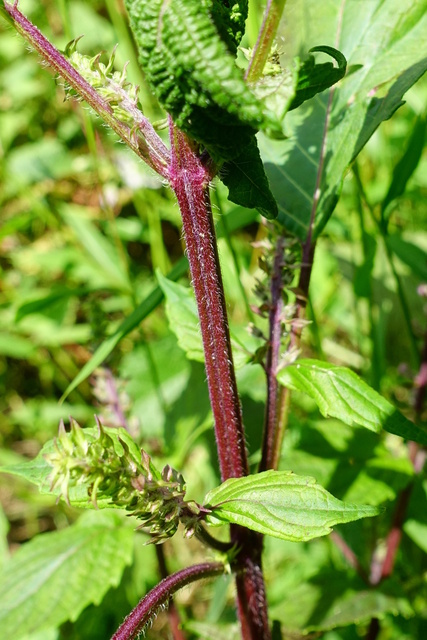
(159,596)
(147,145)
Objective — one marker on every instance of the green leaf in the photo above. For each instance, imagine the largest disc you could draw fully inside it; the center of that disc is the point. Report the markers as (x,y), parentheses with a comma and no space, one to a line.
(314,78)
(247,183)
(98,247)
(148,305)
(181,310)
(56,575)
(407,163)
(281,504)
(193,74)
(340,393)
(326,133)
(409,253)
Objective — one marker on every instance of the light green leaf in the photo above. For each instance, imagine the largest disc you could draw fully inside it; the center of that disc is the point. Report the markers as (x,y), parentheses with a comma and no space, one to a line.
(98,246)
(326,134)
(181,310)
(340,393)
(136,317)
(281,504)
(56,575)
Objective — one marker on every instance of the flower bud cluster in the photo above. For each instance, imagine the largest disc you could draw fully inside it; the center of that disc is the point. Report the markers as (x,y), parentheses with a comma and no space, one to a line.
(104,463)
(111,85)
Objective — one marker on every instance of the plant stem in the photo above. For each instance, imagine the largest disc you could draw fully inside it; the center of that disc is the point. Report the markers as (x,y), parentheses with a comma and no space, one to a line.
(146,144)
(273,408)
(190,181)
(189,178)
(174,620)
(273,13)
(160,595)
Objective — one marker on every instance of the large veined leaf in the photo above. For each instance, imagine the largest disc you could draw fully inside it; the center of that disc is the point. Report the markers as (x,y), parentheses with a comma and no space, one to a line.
(281,504)
(340,393)
(385,43)
(56,575)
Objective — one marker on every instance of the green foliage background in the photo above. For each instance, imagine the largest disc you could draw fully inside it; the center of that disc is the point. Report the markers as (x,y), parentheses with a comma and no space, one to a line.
(84,227)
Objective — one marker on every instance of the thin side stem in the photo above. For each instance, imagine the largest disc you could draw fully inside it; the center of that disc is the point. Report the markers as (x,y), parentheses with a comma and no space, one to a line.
(273,13)
(173,614)
(142,139)
(160,595)
(274,400)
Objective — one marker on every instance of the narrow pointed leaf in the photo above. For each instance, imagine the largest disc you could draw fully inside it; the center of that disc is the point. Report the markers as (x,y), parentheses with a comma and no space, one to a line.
(340,393)
(281,504)
(56,575)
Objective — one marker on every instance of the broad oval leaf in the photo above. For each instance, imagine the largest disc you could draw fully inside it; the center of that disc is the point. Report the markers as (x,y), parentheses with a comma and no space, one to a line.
(281,504)
(56,575)
(340,393)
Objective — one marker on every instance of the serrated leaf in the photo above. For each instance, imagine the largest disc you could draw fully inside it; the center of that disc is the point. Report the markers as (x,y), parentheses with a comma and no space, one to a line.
(56,575)
(194,75)
(247,183)
(326,133)
(281,504)
(340,393)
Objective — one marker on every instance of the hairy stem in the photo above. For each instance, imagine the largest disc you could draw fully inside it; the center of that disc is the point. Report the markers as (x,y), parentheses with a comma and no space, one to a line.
(174,619)
(190,179)
(273,13)
(160,595)
(143,139)
(274,406)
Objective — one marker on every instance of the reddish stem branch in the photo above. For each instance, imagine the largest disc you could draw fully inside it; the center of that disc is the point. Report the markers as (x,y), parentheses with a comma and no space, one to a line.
(174,620)
(160,595)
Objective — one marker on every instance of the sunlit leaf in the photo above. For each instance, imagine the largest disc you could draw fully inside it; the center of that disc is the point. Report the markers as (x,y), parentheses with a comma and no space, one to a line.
(281,504)
(340,393)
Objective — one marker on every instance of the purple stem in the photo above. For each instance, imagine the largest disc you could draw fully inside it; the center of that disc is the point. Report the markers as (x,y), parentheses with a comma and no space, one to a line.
(173,614)
(148,145)
(273,408)
(149,605)
(190,179)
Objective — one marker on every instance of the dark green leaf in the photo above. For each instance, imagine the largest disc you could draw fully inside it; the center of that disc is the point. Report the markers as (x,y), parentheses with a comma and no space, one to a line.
(194,75)
(281,504)
(314,78)
(340,393)
(56,575)
(247,183)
